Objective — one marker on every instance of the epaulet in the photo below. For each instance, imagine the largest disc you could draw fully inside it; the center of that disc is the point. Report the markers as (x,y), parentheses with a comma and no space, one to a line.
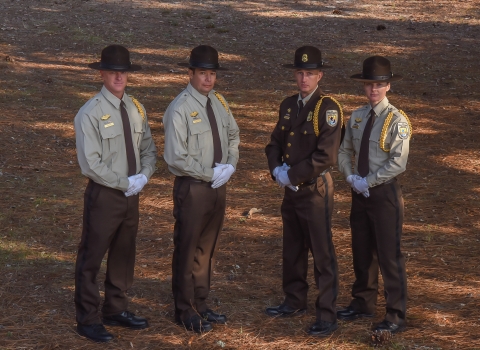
(139,107)
(91,104)
(388,119)
(222,101)
(317,111)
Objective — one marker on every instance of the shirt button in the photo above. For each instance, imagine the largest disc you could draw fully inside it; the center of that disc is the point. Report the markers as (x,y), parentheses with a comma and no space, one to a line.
(287,156)
(283,128)
(289,145)
(292,133)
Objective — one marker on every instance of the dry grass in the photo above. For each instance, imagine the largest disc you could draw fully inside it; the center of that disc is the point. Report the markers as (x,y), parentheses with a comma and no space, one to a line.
(44,49)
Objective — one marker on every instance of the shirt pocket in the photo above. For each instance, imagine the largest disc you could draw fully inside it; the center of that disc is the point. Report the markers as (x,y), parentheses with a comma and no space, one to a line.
(356,138)
(111,138)
(138,134)
(200,135)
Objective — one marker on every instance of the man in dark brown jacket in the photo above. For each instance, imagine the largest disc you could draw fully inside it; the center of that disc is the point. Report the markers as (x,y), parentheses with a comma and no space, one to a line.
(303,147)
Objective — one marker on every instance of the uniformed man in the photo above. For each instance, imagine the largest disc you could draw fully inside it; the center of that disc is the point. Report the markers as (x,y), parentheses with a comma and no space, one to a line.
(378,135)
(116,152)
(303,147)
(201,150)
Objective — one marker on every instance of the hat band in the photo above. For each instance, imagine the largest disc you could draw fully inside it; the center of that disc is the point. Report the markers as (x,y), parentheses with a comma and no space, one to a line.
(377,77)
(114,67)
(308,65)
(197,64)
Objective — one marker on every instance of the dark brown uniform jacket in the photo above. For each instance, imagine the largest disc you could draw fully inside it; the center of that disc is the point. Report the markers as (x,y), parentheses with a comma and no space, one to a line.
(294,141)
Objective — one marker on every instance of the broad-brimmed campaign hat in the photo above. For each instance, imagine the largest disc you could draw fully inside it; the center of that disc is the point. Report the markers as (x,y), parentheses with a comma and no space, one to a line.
(376,69)
(116,58)
(307,57)
(203,56)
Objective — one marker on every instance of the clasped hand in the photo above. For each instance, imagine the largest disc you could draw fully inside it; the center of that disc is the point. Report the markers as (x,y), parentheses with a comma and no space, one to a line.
(281,177)
(135,184)
(221,174)
(359,184)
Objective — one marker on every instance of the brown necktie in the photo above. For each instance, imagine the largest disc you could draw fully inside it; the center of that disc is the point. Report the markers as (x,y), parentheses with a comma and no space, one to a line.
(127,133)
(217,146)
(300,107)
(363,167)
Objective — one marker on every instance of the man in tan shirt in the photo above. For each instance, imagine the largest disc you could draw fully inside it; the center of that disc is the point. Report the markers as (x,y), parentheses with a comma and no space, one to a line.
(116,152)
(378,136)
(201,150)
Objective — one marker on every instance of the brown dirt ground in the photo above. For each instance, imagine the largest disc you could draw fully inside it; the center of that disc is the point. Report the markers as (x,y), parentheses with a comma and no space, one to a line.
(45,46)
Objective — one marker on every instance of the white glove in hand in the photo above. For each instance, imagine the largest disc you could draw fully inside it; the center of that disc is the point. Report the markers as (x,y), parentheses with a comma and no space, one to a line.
(360,185)
(352,178)
(283,178)
(276,171)
(222,179)
(217,171)
(293,188)
(136,183)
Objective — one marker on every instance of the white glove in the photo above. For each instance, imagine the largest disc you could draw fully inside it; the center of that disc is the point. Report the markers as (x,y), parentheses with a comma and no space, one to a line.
(136,183)
(293,188)
(222,179)
(276,171)
(360,185)
(217,171)
(283,179)
(351,178)
(366,194)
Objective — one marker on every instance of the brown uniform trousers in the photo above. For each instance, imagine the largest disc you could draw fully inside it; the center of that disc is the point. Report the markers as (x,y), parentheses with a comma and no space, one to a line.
(110,222)
(199,211)
(307,225)
(307,213)
(376,224)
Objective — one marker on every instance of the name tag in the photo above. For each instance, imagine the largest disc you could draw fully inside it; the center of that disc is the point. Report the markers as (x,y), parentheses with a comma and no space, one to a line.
(109,125)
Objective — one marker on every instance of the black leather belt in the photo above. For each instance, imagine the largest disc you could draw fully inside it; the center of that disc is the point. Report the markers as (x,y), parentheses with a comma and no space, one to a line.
(308,183)
(191,179)
(314,180)
(386,182)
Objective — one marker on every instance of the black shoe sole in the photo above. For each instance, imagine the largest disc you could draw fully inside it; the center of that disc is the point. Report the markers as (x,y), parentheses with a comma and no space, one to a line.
(199,331)
(96,340)
(325,333)
(216,322)
(298,313)
(120,324)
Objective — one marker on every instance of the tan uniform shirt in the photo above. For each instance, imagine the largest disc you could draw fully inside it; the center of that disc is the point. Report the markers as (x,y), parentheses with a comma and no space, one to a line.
(188,136)
(101,144)
(383,166)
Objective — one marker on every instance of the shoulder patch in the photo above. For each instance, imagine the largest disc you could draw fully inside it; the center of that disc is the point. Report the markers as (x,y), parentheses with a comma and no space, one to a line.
(332,117)
(403,130)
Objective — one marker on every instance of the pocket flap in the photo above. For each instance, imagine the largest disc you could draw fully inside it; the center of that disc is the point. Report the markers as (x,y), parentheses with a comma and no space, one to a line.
(138,127)
(110,132)
(198,127)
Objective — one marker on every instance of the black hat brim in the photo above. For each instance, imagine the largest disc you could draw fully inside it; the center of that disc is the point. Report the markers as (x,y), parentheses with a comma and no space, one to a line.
(206,66)
(294,66)
(98,66)
(359,77)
